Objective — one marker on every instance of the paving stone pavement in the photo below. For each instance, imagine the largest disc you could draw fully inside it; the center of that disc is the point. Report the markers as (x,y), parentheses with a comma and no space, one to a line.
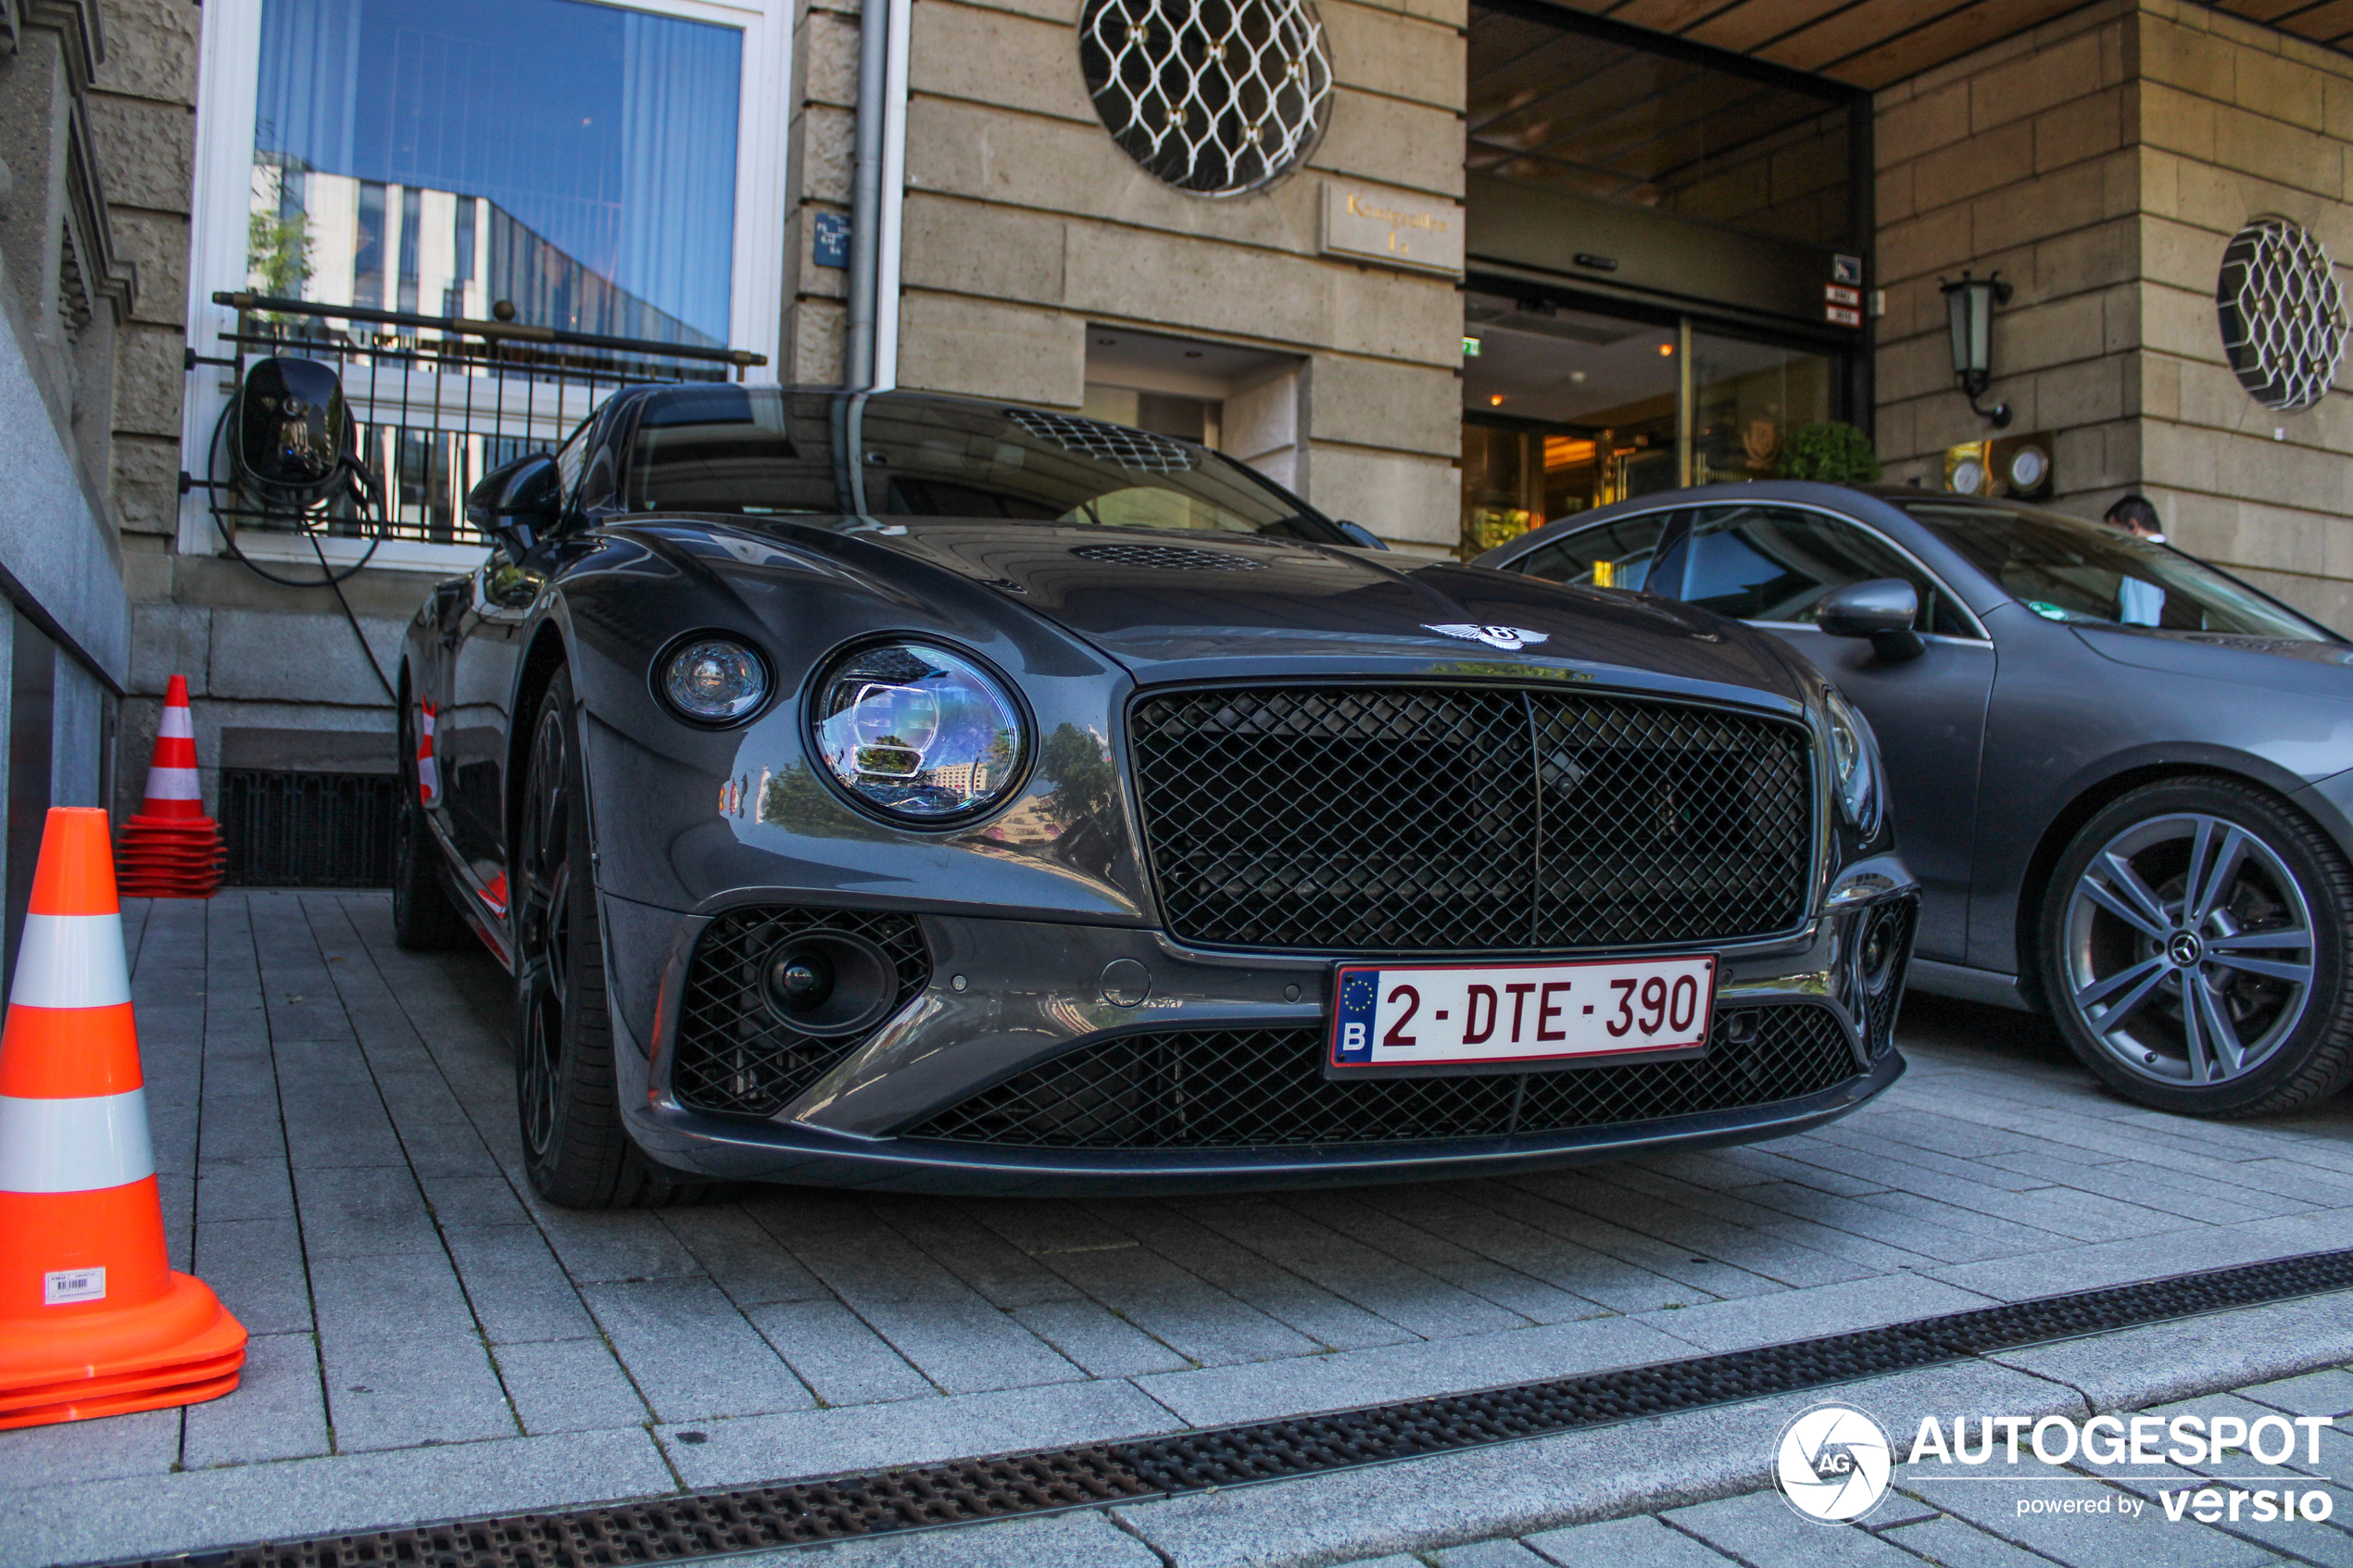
(1965,1516)
(335,1135)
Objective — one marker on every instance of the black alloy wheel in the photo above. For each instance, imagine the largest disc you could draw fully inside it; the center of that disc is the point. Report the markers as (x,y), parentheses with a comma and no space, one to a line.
(576,1150)
(2194,950)
(424,920)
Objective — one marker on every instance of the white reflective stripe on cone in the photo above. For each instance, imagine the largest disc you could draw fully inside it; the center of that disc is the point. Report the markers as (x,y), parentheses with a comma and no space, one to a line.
(74,1144)
(177,723)
(70,962)
(173,784)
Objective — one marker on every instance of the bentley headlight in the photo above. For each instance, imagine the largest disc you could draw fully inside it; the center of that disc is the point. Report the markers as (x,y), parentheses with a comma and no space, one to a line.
(714,680)
(918,732)
(1854,763)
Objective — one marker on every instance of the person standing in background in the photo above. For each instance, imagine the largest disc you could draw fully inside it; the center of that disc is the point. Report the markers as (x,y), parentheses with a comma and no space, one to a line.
(2138,602)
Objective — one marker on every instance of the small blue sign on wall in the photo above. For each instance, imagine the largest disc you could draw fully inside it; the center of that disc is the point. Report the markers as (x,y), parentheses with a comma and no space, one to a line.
(830,243)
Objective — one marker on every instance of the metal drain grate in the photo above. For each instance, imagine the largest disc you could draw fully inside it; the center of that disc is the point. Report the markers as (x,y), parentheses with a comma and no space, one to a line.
(752,1518)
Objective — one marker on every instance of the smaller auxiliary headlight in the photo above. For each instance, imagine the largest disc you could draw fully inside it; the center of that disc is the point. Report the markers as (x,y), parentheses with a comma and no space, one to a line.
(714,680)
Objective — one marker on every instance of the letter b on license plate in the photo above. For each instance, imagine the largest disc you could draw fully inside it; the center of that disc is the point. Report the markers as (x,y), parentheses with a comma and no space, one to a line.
(1499,1016)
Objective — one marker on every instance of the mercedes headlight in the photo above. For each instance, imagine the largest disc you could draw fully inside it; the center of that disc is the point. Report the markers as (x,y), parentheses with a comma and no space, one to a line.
(713,680)
(917,733)
(1854,764)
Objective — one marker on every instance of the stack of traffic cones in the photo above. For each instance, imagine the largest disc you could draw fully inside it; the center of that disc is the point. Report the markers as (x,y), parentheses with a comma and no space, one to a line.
(171,849)
(92,1320)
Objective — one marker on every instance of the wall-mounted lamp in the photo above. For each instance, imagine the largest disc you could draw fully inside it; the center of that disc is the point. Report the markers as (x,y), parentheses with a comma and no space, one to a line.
(1971,304)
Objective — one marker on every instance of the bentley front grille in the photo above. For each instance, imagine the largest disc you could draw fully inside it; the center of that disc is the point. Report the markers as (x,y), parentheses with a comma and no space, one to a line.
(1245,1088)
(736,1055)
(1421,820)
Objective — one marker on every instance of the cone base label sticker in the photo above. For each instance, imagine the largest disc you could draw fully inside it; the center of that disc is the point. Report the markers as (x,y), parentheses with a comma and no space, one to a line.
(62,1286)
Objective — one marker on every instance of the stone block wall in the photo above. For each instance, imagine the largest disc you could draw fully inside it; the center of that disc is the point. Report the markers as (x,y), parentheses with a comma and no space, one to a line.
(2102,162)
(1025,224)
(2236,122)
(142,122)
(2015,160)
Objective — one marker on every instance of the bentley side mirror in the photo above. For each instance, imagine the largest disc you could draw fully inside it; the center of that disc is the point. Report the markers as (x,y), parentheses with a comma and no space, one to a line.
(1881,609)
(1361,534)
(518,502)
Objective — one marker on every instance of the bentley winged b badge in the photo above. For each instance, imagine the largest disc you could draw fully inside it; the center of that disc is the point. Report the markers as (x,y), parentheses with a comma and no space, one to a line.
(1511,639)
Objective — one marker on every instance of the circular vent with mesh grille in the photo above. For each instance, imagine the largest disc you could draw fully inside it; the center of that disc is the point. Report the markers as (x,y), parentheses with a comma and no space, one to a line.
(1107,442)
(1213,96)
(1167,557)
(2283,313)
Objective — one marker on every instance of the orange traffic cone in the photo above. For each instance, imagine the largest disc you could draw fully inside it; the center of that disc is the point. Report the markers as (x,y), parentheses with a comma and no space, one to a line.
(171,849)
(92,1320)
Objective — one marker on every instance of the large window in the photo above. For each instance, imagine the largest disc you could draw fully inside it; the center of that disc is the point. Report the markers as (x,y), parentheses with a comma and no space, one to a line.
(611,169)
(575,161)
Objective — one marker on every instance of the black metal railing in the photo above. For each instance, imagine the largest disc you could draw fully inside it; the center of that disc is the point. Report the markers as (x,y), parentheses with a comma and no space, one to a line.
(436,402)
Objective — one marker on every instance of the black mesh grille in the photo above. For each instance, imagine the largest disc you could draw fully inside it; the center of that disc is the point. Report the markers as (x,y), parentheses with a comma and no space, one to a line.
(734,1055)
(1232,1088)
(1402,818)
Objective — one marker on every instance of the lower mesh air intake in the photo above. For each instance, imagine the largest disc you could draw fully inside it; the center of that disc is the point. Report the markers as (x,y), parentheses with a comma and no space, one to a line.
(735,1053)
(1232,1088)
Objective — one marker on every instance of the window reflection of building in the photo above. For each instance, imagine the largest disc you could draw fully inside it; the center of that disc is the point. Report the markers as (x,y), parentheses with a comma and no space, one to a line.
(447,254)
(583,153)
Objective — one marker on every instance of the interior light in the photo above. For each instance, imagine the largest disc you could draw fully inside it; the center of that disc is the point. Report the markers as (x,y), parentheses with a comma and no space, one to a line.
(1496,401)
(1664,349)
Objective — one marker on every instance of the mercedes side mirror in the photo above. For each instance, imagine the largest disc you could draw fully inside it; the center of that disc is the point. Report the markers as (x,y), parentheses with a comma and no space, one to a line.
(1361,534)
(1881,609)
(518,502)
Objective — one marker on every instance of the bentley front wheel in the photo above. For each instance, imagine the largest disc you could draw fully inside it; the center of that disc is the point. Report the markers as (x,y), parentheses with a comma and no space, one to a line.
(576,1150)
(2193,951)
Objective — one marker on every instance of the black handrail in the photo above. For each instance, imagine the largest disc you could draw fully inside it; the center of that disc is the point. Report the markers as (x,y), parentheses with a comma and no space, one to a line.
(518,331)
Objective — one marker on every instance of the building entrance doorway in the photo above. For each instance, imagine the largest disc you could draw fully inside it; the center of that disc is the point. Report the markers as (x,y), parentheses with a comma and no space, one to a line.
(1567,407)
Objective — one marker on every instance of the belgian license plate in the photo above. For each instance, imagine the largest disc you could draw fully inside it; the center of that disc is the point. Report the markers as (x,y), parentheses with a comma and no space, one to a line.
(1406,1020)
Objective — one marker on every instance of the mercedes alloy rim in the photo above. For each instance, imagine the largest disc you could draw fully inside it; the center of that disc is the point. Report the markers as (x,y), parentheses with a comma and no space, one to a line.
(542,930)
(2189,950)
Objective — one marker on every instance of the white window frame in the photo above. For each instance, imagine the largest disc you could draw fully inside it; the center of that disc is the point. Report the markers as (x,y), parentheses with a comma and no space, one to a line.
(228,55)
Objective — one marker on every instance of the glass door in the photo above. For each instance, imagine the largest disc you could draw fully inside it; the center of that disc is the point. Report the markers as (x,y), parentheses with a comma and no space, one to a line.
(1566,409)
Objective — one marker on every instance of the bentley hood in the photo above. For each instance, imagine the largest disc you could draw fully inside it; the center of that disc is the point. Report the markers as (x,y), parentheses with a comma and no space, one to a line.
(1159,601)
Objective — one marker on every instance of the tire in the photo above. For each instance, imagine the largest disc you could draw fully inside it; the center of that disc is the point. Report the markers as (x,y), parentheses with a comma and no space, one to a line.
(2243,1009)
(576,1150)
(424,920)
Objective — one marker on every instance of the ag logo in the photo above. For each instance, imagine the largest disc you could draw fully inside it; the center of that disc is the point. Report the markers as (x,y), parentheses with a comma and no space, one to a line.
(1832,1464)
(1511,639)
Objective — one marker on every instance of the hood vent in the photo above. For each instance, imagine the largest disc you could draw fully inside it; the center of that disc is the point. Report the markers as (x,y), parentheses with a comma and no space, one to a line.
(1167,557)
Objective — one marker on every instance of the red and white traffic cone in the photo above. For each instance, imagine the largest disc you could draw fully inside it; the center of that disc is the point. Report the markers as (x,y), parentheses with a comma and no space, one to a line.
(92,1319)
(171,849)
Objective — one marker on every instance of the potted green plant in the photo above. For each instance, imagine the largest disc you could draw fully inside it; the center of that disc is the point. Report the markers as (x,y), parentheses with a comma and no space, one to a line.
(1830,450)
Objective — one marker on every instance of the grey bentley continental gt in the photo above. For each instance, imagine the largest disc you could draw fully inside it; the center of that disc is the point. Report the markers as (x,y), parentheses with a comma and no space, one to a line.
(2125,777)
(896,791)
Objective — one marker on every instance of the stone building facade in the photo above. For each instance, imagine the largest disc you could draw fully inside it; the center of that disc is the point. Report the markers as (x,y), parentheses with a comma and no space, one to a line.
(2102,162)
(79,265)
(2099,155)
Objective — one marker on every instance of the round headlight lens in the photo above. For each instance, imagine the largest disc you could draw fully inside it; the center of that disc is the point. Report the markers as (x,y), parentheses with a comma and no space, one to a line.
(1854,764)
(918,732)
(715,680)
